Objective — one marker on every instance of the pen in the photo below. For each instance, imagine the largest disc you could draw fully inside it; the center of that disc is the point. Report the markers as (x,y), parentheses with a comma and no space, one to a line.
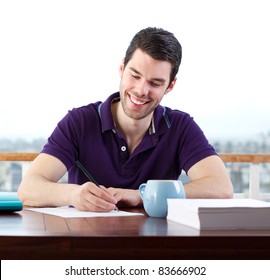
(89,176)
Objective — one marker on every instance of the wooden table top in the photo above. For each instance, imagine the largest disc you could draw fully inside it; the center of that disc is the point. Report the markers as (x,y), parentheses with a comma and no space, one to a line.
(32,235)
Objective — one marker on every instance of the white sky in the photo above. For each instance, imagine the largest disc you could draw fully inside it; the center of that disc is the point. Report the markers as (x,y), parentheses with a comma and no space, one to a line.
(56,55)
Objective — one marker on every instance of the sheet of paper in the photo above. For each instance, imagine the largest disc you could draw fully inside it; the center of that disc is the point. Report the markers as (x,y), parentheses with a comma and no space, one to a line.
(70,212)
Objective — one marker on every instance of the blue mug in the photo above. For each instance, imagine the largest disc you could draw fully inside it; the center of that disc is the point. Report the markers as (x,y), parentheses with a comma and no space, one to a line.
(154,195)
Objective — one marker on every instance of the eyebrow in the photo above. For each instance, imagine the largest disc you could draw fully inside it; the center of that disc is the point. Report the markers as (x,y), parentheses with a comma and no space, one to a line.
(154,79)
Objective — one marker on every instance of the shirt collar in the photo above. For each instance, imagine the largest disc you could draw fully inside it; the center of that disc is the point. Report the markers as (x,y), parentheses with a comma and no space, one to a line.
(160,122)
(105,113)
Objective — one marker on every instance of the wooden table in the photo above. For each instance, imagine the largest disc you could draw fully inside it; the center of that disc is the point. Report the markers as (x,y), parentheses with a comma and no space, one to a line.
(30,235)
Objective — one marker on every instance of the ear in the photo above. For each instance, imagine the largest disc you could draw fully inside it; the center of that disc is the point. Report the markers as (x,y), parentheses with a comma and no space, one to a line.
(121,68)
(171,86)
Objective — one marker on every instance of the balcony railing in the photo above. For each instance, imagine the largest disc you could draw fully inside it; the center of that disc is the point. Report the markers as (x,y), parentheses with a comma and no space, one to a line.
(254,162)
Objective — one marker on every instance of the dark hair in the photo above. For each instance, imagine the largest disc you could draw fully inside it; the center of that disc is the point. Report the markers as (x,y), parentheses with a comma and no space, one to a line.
(159,44)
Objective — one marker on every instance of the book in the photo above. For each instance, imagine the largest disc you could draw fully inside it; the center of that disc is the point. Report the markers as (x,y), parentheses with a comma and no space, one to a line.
(216,214)
(9,202)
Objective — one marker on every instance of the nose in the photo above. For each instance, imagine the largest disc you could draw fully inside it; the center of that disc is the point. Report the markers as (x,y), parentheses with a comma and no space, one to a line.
(142,88)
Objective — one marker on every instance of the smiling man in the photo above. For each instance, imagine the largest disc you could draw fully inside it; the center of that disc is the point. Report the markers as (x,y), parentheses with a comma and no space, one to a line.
(127,139)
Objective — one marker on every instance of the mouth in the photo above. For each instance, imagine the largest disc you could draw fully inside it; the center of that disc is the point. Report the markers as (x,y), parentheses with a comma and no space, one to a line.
(137,101)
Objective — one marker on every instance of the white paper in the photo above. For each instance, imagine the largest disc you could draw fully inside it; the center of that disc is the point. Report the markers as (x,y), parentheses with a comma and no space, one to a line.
(219,204)
(70,212)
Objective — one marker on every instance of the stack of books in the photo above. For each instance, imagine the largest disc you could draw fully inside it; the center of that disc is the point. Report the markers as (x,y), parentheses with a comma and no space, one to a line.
(216,214)
(9,202)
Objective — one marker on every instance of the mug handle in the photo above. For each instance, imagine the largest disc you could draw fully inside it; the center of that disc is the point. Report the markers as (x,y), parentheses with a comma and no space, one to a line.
(182,190)
(141,190)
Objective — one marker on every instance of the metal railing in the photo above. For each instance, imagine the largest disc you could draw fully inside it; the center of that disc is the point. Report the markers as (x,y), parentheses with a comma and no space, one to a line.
(254,160)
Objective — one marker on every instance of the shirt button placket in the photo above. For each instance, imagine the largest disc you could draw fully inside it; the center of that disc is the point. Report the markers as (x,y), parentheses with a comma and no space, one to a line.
(123,156)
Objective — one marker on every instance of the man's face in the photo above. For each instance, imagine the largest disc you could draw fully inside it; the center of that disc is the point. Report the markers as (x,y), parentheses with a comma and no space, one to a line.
(144,81)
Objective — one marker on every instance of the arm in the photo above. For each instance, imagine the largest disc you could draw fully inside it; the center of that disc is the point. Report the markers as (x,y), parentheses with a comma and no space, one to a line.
(40,188)
(209,179)
(126,197)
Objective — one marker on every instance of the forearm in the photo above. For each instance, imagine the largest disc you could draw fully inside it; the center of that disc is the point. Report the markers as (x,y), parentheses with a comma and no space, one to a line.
(37,191)
(209,179)
(209,188)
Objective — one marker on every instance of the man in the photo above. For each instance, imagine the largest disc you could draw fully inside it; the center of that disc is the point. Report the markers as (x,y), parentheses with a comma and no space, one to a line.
(127,140)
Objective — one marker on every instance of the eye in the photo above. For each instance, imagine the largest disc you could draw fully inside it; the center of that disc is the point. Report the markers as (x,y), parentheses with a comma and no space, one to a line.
(155,84)
(135,76)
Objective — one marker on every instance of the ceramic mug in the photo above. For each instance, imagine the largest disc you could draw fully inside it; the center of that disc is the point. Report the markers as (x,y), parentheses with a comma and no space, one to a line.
(154,195)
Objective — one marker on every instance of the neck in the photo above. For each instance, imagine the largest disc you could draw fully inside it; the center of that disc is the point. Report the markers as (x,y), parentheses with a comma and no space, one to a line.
(133,130)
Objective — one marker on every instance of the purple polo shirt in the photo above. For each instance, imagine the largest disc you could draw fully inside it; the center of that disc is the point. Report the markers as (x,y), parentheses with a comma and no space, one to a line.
(172,143)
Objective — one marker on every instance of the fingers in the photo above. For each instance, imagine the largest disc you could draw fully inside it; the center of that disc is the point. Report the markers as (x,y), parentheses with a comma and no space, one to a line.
(93,198)
(117,193)
(100,197)
(127,197)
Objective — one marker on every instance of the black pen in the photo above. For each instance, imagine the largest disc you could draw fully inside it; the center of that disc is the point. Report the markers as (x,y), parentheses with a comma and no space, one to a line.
(89,176)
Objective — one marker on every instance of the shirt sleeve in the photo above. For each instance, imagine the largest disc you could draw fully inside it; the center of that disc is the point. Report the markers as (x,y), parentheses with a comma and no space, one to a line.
(193,144)
(63,141)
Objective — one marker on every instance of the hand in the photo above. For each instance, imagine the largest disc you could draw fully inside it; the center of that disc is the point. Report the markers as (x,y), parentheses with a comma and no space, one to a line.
(89,197)
(126,197)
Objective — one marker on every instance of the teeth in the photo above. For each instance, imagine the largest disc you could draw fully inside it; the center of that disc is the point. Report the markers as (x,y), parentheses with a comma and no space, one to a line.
(137,102)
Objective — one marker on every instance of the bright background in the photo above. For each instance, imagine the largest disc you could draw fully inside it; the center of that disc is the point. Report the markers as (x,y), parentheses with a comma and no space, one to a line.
(60,54)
